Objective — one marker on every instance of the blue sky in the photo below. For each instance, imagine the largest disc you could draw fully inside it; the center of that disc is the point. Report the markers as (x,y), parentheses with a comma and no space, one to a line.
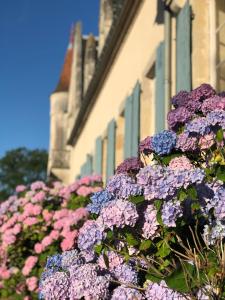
(34,36)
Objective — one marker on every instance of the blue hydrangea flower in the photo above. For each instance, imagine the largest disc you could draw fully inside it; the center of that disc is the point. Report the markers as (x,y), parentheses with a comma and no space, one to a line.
(216,117)
(198,125)
(171,211)
(123,186)
(164,142)
(71,258)
(99,199)
(54,262)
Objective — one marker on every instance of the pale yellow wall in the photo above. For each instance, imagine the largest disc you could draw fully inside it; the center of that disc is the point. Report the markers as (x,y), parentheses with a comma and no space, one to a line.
(138,46)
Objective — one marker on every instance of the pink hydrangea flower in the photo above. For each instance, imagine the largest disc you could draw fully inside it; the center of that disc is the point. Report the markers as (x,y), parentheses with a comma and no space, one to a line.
(38,185)
(54,234)
(4,273)
(40,196)
(38,248)
(20,188)
(47,215)
(180,163)
(47,241)
(32,283)
(29,264)
(30,221)
(206,141)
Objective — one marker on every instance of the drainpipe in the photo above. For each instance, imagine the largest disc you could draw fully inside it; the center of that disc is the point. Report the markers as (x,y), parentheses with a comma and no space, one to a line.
(167,39)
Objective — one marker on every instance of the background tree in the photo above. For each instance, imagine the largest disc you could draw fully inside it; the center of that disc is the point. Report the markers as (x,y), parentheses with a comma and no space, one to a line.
(21,166)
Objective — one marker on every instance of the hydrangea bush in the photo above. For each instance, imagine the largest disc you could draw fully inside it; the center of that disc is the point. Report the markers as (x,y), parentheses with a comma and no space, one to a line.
(36,222)
(158,230)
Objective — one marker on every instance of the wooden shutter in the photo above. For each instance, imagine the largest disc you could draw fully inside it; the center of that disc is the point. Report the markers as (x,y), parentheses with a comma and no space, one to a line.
(183,49)
(128,127)
(110,159)
(89,166)
(98,156)
(159,89)
(135,132)
(83,170)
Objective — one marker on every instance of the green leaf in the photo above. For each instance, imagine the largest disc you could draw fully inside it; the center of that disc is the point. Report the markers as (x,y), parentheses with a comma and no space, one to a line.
(109,235)
(153,278)
(146,244)
(131,239)
(182,195)
(219,135)
(158,204)
(163,249)
(220,174)
(137,199)
(177,280)
(166,159)
(192,193)
(98,249)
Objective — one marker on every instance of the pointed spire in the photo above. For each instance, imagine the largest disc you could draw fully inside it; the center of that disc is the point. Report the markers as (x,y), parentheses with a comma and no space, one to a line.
(64,80)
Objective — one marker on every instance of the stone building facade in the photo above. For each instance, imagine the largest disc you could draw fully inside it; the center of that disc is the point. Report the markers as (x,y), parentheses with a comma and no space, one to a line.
(114,89)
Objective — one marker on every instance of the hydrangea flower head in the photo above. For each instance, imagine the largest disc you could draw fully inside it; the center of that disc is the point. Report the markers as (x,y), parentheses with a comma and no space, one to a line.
(71,258)
(164,142)
(90,235)
(160,291)
(125,274)
(145,146)
(125,293)
(56,287)
(119,213)
(99,199)
(186,142)
(123,186)
(171,211)
(180,163)
(130,166)
(198,125)
(151,224)
(202,92)
(178,117)
(181,99)
(54,262)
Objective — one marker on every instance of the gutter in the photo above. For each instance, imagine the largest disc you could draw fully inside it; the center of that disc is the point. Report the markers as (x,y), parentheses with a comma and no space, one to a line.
(112,45)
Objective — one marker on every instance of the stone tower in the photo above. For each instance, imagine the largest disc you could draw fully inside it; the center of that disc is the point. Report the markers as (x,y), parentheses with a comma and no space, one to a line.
(59,152)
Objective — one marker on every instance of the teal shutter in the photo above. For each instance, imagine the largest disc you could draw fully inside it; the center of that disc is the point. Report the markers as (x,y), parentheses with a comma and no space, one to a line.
(89,167)
(83,170)
(110,160)
(128,127)
(159,89)
(98,156)
(183,49)
(135,134)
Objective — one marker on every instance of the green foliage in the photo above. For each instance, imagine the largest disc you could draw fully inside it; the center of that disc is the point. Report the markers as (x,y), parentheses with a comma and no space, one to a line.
(21,166)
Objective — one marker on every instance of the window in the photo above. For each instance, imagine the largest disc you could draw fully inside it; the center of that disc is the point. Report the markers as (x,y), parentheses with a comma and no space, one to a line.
(220,45)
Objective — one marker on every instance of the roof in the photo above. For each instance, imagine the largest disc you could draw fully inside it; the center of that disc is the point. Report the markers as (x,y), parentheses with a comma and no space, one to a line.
(64,79)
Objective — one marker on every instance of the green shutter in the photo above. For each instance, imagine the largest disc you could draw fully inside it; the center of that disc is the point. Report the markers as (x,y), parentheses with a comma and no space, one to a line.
(135,136)
(110,161)
(128,127)
(98,156)
(83,170)
(159,89)
(183,49)
(89,167)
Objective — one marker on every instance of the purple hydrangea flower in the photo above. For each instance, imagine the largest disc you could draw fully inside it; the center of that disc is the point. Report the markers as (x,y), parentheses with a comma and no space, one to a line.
(125,293)
(99,199)
(204,91)
(161,182)
(178,117)
(145,146)
(118,213)
(91,234)
(164,142)
(186,142)
(56,287)
(198,125)
(130,165)
(171,211)
(181,99)
(123,186)
(219,200)
(114,260)
(161,292)
(216,117)
(71,258)
(149,229)
(214,232)
(54,262)
(214,103)
(125,274)
(88,283)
